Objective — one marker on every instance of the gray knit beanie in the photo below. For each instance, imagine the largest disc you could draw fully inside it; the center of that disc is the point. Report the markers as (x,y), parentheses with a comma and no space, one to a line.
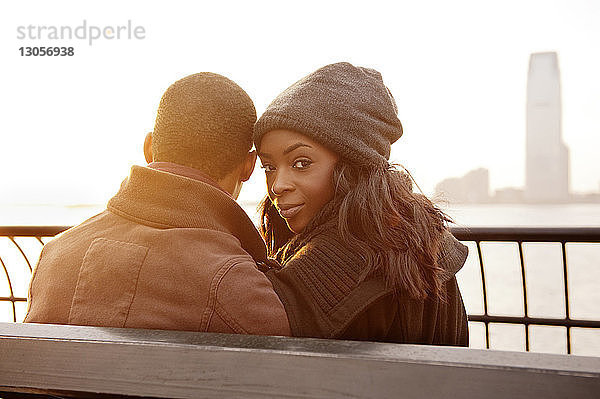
(204,121)
(348,109)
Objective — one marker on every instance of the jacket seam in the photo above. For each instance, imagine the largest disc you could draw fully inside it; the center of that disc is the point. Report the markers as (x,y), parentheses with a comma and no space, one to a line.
(212,293)
(137,281)
(228,319)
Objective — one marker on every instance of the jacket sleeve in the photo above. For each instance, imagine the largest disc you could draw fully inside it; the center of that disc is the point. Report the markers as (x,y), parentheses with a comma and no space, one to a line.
(246,302)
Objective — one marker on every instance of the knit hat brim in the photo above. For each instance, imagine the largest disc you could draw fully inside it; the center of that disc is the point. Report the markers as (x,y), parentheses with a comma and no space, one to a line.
(346,108)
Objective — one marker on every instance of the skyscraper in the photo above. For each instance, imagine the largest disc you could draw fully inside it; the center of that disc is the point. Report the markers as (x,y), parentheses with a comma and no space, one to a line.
(547,163)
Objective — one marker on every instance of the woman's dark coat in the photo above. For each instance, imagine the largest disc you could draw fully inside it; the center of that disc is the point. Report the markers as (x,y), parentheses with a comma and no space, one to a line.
(327,294)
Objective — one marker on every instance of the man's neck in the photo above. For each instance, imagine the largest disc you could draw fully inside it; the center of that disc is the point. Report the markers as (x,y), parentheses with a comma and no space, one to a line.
(186,171)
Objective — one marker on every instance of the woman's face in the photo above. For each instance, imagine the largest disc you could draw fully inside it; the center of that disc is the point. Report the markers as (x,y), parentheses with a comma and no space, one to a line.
(299,175)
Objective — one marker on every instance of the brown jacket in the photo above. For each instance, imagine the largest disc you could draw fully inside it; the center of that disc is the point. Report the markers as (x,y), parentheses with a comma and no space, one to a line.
(326,294)
(170,252)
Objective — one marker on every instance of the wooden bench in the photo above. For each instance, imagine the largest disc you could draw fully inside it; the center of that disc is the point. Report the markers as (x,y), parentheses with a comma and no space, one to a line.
(108,362)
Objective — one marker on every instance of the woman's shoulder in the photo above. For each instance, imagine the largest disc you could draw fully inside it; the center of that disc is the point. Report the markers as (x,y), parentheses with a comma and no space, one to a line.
(452,254)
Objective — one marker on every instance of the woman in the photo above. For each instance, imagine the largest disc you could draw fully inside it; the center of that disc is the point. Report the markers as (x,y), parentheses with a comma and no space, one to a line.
(363,257)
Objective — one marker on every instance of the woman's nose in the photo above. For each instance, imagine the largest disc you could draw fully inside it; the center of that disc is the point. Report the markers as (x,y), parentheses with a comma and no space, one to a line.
(281,183)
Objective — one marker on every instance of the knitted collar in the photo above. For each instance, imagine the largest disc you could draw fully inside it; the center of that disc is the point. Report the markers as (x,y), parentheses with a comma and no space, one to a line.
(166,200)
(451,256)
(324,284)
(324,220)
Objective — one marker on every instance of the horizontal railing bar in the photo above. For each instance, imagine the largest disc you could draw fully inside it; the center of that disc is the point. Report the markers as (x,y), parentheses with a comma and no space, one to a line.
(541,234)
(31,231)
(535,320)
(12,299)
(532,234)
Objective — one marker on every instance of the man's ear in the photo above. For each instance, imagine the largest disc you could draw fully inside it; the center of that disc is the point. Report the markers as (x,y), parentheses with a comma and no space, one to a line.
(248,165)
(148,147)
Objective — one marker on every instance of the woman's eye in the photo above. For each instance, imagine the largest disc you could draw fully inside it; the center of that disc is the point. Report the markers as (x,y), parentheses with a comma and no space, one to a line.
(267,168)
(302,163)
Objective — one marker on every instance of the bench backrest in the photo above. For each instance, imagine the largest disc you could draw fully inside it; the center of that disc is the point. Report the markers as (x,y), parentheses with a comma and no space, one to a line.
(193,365)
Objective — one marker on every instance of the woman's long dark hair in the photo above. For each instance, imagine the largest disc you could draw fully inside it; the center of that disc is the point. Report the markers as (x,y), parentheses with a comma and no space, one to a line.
(398,231)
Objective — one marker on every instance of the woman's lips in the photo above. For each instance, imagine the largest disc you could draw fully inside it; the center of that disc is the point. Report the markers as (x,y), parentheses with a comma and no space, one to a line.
(289,212)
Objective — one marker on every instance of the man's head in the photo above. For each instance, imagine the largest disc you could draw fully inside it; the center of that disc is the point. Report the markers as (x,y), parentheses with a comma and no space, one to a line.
(205,121)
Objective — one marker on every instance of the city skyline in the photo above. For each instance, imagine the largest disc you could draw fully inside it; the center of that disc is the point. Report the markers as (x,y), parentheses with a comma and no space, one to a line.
(546,155)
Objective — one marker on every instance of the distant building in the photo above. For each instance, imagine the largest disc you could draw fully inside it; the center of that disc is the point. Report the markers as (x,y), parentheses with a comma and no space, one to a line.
(474,187)
(547,159)
(509,195)
(547,156)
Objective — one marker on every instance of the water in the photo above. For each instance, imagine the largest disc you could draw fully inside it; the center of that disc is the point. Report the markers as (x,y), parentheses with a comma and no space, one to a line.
(464,215)
(550,215)
(544,276)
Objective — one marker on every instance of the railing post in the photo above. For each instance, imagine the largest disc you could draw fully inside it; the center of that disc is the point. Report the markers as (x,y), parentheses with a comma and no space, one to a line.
(485,307)
(566,285)
(524,282)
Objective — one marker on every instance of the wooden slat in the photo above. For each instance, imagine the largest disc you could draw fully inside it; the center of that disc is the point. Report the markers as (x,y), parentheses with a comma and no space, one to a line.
(198,365)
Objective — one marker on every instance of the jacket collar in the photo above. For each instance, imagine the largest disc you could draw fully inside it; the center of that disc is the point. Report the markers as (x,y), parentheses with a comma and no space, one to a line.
(185,171)
(165,200)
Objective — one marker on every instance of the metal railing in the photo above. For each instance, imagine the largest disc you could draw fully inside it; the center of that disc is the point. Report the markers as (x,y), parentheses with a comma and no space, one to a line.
(477,235)
(520,235)
(35,232)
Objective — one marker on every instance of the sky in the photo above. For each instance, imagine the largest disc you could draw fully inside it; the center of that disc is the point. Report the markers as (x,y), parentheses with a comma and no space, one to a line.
(72,126)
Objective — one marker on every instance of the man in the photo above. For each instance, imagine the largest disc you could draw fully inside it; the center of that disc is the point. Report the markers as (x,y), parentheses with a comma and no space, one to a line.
(173,250)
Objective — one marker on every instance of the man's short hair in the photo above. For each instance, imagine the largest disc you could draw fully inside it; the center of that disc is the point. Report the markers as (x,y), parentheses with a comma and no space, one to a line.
(204,121)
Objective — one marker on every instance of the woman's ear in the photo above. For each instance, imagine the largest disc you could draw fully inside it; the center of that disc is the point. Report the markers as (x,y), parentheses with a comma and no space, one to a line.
(148,147)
